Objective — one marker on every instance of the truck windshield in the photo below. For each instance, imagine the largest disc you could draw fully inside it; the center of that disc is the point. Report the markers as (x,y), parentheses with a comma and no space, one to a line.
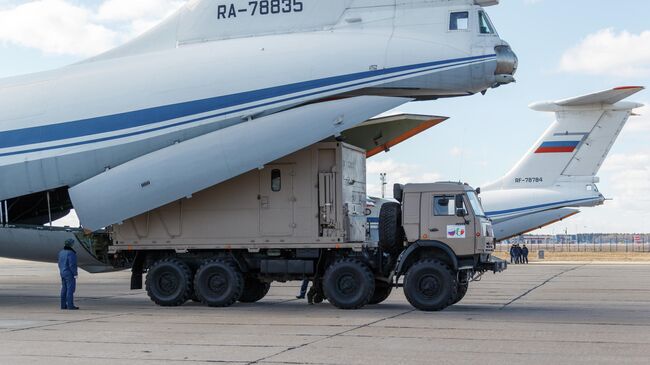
(476,204)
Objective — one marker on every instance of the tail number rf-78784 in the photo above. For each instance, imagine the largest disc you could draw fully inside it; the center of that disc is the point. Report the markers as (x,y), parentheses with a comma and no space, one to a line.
(261,7)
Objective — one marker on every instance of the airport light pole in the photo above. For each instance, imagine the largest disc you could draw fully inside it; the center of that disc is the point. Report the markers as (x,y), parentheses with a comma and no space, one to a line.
(382,177)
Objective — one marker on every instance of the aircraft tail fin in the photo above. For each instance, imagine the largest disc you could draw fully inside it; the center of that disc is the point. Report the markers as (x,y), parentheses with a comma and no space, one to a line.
(574,147)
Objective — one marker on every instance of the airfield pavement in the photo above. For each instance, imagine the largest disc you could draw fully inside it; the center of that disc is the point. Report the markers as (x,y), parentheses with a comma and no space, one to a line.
(536,314)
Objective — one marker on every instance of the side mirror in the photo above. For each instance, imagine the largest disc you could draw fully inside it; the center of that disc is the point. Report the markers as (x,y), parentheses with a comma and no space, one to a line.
(461,212)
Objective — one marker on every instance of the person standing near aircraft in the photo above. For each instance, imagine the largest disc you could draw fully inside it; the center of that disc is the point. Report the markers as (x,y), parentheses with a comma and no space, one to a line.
(524,254)
(512,254)
(68,271)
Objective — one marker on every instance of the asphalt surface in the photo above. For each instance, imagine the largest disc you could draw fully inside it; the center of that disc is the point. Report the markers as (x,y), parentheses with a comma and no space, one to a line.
(537,314)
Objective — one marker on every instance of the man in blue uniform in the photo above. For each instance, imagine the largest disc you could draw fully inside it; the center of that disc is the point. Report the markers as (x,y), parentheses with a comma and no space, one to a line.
(524,253)
(68,270)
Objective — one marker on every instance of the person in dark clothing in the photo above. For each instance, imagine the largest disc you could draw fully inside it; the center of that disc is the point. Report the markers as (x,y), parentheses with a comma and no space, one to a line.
(518,254)
(524,253)
(68,271)
(512,254)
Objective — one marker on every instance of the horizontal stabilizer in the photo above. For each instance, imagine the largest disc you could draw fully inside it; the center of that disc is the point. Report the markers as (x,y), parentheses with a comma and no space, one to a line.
(183,169)
(602,98)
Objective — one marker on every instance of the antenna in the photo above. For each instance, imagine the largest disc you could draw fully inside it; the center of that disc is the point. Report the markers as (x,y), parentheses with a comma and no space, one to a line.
(382,177)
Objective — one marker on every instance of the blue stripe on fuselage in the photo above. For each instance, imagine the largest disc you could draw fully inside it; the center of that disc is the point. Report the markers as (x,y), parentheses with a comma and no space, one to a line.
(116,122)
(563,203)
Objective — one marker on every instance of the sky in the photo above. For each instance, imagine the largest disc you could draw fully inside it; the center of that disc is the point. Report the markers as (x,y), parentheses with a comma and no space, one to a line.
(565,48)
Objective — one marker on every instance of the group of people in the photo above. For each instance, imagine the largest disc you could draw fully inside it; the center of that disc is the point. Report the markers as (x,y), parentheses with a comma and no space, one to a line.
(518,255)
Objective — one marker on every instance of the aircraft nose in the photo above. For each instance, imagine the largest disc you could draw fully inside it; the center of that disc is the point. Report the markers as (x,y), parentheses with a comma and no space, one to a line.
(507,63)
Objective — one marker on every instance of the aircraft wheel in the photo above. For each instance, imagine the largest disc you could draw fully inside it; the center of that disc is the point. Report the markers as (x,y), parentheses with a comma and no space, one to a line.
(218,283)
(382,292)
(430,285)
(169,282)
(254,290)
(348,284)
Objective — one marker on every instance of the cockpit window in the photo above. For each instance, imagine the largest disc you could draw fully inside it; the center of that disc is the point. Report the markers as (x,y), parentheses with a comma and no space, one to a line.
(459,20)
(484,25)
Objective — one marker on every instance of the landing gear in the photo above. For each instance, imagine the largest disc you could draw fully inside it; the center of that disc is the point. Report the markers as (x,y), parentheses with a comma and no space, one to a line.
(348,283)
(169,282)
(218,283)
(430,285)
(254,290)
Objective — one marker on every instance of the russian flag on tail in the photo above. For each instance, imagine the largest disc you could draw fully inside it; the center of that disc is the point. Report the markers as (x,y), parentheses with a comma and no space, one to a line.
(558,147)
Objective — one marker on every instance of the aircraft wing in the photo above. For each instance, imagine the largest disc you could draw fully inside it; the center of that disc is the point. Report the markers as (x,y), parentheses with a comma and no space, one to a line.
(612,96)
(380,134)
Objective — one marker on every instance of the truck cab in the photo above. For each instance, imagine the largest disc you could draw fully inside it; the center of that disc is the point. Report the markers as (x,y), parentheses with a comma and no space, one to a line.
(443,240)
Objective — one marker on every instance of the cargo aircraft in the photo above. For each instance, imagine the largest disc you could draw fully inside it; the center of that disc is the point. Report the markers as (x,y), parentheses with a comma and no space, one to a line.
(558,174)
(216,90)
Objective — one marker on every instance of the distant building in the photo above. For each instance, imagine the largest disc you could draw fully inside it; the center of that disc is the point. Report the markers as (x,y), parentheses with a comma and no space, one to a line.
(587,238)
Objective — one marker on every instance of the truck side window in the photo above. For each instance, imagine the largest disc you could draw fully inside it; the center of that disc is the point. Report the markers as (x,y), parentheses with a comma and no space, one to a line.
(459,20)
(444,205)
(276,180)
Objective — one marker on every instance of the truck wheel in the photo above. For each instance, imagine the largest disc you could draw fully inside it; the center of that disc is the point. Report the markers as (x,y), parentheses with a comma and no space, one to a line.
(390,227)
(254,290)
(429,285)
(382,292)
(218,283)
(169,282)
(348,284)
(462,290)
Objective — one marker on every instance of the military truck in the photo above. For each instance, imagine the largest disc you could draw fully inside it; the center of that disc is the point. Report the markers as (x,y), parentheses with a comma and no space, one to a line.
(304,217)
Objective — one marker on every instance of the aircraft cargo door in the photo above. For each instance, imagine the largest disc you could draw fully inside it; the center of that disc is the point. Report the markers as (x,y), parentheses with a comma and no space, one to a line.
(276,200)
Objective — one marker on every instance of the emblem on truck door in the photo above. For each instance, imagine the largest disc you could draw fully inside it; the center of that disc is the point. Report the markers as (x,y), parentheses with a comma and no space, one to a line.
(455,231)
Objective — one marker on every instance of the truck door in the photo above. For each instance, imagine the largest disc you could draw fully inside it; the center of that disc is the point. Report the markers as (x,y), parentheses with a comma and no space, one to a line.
(276,200)
(445,226)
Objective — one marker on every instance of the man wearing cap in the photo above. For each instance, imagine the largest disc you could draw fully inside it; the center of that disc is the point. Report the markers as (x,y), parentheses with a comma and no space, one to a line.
(68,270)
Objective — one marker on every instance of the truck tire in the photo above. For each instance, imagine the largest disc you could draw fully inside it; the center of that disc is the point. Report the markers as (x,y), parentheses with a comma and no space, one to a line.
(430,285)
(169,282)
(390,227)
(254,290)
(348,284)
(218,283)
(462,290)
(382,292)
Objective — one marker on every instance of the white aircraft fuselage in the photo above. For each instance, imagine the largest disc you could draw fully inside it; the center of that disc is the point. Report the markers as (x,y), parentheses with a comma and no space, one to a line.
(207,69)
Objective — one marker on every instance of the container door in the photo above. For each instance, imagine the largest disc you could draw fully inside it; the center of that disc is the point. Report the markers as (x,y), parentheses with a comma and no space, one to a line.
(445,226)
(276,200)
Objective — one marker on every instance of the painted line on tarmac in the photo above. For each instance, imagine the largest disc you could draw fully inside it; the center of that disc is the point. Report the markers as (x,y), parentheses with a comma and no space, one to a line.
(264,359)
(542,284)
(67,322)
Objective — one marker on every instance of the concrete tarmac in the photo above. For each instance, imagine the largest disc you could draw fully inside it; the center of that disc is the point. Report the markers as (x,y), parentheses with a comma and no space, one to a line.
(571,313)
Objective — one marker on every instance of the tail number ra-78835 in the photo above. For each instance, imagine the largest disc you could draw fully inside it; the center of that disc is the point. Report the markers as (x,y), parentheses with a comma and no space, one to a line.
(260,7)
